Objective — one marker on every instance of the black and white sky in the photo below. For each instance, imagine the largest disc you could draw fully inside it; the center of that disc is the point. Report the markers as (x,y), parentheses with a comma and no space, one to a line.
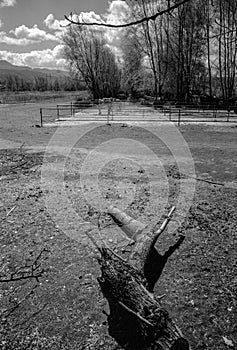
(30,31)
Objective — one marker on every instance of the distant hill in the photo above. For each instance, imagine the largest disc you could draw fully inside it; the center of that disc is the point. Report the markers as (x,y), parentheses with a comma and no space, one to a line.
(23,78)
(27,73)
(8,65)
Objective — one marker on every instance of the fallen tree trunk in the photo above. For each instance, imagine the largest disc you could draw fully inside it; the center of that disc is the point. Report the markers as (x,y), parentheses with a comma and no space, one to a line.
(137,321)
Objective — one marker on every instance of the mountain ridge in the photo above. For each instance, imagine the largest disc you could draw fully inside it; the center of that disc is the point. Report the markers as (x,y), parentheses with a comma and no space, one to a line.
(7,65)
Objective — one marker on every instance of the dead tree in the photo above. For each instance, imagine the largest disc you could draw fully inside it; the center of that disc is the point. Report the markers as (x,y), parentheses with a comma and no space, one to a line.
(137,321)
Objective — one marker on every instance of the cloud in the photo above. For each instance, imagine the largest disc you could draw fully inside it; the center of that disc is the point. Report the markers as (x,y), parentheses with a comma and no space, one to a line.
(1,23)
(23,35)
(5,39)
(37,58)
(33,33)
(60,25)
(7,3)
(117,13)
(89,17)
(53,23)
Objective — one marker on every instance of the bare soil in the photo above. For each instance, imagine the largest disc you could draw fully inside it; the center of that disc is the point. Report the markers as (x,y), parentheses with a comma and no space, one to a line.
(65,309)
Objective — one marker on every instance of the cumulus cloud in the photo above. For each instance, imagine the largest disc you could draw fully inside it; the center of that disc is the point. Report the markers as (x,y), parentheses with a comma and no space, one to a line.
(117,13)
(23,35)
(60,25)
(52,23)
(7,3)
(89,17)
(37,58)
(33,33)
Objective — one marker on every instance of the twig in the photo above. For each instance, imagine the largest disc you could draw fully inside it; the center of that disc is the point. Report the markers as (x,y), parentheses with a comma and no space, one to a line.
(26,272)
(208,181)
(10,211)
(160,296)
(117,256)
(14,307)
(92,239)
(18,165)
(135,314)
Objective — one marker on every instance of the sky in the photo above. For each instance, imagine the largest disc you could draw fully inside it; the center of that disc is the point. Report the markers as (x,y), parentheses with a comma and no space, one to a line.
(30,31)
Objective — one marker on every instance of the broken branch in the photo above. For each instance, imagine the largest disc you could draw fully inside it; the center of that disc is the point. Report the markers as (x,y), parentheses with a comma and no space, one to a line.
(163,226)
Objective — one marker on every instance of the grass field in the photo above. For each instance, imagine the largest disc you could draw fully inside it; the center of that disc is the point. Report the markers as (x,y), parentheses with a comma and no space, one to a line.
(65,309)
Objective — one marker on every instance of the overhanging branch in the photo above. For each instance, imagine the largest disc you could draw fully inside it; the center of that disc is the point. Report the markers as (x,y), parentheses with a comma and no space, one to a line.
(142,20)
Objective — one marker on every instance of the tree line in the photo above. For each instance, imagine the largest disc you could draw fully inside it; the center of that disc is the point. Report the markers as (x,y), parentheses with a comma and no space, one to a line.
(188,51)
(15,83)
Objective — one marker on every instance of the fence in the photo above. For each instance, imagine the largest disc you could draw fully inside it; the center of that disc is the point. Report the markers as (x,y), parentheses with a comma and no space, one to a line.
(127,111)
(188,114)
(61,111)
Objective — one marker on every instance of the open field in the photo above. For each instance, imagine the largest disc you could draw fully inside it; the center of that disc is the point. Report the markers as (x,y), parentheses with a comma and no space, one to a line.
(65,309)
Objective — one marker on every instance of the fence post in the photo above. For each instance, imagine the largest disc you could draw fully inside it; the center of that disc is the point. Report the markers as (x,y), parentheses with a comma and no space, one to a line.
(228,115)
(71,109)
(58,111)
(214,114)
(41,118)
(179,117)
(99,108)
(108,116)
(170,114)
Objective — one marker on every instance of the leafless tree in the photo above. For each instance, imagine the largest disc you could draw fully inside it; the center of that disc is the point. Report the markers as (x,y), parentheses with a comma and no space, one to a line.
(92,60)
(133,71)
(152,37)
(226,27)
(187,41)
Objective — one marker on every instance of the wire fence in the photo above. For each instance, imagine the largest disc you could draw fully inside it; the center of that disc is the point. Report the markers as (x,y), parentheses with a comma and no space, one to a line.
(120,111)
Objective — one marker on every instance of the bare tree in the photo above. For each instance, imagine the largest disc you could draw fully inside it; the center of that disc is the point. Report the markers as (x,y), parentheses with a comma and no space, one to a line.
(92,60)
(226,27)
(154,47)
(133,71)
(208,25)
(188,46)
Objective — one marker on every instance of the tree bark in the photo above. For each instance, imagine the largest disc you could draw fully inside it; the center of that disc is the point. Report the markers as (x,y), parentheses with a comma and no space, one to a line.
(137,320)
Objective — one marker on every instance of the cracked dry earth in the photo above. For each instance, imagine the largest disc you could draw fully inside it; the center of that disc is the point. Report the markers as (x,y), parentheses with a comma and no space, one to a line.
(65,308)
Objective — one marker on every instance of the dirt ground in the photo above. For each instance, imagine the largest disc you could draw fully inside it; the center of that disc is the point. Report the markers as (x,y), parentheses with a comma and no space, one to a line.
(64,311)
